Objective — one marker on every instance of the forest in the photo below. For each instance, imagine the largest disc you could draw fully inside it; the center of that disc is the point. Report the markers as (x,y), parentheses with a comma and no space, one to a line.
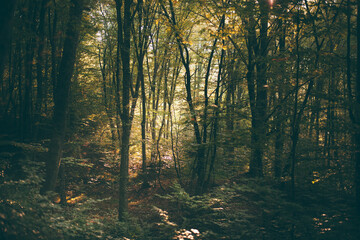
(180,119)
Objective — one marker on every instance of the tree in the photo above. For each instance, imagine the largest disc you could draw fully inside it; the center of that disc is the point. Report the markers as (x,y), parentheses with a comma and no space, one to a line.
(356,111)
(203,166)
(256,76)
(146,16)
(124,20)
(61,96)
(6,16)
(185,59)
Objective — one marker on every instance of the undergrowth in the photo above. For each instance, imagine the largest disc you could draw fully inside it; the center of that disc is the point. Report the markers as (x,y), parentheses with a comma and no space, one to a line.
(245,209)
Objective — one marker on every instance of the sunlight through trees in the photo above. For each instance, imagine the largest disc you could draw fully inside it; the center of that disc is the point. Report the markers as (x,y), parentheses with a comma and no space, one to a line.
(178,119)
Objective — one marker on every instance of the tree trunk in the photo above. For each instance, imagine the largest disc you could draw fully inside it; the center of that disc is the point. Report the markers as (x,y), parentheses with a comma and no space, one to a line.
(298,110)
(357,114)
(40,60)
(216,121)
(199,169)
(143,36)
(6,16)
(229,119)
(27,120)
(107,105)
(207,75)
(54,47)
(143,120)
(279,125)
(258,133)
(61,96)
(124,27)
(40,66)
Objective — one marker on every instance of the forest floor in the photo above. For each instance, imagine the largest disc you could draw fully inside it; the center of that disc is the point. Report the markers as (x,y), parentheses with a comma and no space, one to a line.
(238,208)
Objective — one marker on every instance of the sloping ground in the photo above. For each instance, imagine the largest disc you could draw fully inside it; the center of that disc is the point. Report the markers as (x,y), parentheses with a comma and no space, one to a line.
(241,208)
(251,210)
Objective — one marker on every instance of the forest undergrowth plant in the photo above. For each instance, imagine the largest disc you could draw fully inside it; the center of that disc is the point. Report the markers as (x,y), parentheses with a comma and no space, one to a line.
(206,215)
(247,210)
(25,214)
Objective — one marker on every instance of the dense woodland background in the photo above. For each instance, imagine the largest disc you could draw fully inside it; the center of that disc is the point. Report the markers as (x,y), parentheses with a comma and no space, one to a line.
(180,119)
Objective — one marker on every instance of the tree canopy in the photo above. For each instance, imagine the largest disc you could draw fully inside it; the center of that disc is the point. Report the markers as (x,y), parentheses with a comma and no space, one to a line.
(177,119)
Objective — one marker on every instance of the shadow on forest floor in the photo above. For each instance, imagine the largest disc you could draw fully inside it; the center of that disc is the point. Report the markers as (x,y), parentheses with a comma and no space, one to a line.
(238,208)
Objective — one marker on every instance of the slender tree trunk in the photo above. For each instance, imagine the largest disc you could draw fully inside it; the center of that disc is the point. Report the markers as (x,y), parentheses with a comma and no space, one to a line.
(162,126)
(143,120)
(185,59)
(258,133)
(61,96)
(207,75)
(229,99)
(216,121)
(11,83)
(279,137)
(175,75)
(62,189)
(143,26)
(20,90)
(357,114)
(103,66)
(354,109)
(53,43)
(251,90)
(141,79)
(40,57)
(6,15)
(298,110)
(40,66)
(294,123)
(124,27)
(27,120)
(117,83)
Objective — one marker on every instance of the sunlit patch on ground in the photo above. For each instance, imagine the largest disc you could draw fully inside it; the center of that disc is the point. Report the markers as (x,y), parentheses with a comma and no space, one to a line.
(325,222)
(184,234)
(77,199)
(135,203)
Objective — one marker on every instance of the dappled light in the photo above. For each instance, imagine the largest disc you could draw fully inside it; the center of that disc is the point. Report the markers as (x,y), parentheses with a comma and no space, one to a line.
(77,199)
(179,119)
(184,234)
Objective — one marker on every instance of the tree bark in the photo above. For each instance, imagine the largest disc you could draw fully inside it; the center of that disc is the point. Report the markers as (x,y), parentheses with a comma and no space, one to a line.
(107,105)
(229,102)
(298,109)
(258,133)
(6,15)
(207,75)
(40,60)
(279,125)
(61,97)
(143,120)
(216,121)
(124,34)
(357,114)
(27,119)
